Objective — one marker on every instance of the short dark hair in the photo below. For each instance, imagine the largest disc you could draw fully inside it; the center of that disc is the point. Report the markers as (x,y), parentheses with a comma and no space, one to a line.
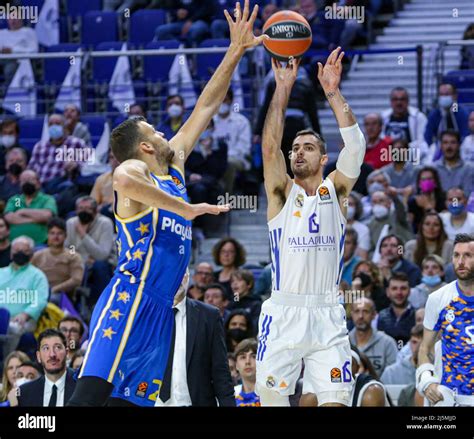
(391,235)
(399,89)
(48,333)
(450,132)
(400,276)
(463,238)
(75,320)
(319,138)
(125,138)
(351,233)
(247,345)
(7,225)
(216,286)
(10,121)
(455,90)
(417,330)
(245,275)
(33,365)
(57,222)
(230,94)
(168,98)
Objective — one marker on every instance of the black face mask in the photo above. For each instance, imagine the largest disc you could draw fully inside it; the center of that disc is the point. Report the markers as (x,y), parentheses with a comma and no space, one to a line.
(85,217)
(28,188)
(237,334)
(21,258)
(365,279)
(15,169)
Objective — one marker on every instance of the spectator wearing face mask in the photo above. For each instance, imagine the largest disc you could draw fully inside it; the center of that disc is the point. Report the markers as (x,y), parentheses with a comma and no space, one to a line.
(429,196)
(44,158)
(377,180)
(92,236)
(25,290)
(73,126)
(457,219)
(449,115)
(15,164)
(432,280)
(10,365)
(4,242)
(467,146)
(28,214)
(233,128)
(9,139)
(354,212)
(175,116)
(245,354)
(238,327)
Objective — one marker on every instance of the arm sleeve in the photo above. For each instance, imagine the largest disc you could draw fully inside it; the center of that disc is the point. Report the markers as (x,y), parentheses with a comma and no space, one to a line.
(352,155)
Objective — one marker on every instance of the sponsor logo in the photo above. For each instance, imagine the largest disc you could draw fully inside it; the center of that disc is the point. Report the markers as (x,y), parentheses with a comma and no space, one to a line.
(141,389)
(283,385)
(177,183)
(336,375)
(324,194)
(170,224)
(297,214)
(299,200)
(270,382)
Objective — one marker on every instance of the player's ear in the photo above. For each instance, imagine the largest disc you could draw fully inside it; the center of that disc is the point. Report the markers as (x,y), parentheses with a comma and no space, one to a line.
(324,160)
(146,147)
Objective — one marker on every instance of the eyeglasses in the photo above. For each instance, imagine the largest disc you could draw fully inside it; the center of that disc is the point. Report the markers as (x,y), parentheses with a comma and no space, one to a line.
(70,330)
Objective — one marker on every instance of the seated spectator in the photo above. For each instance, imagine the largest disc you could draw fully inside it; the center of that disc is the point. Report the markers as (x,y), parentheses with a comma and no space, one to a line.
(73,329)
(10,365)
(15,164)
(392,260)
(377,180)
(354,213)
(431,239)
(44,158)
(457,219)
(233,128)
(398,319)
(233,371)
(9,139)
(195,292)
(77,359)
(349,257)
(215,295)
(402,121)
(326,33)
(432,280)
(29,213)
(73,126)
(401,171)
(27,371)
(242,283)
(190,20)
(230,255)
(18,38)
(56,387)
(124,6)
(403,371)
(380,348)
(238,327)
(452,170)
(63,268)
(263,286)
(25,290)
(429,196)
(467,146)
(92,236)
(5,248)
(366,278)
(384,220)
(137,109)
(175,116)
(102,190)
(203,275)
(377,153)
(245,364)
(449,115)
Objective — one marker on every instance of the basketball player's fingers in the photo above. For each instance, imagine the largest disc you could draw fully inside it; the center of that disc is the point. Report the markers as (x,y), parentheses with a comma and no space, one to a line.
(245,15)
(320,70)
(238,12)
(228,18)
(257,40)
(253,16)
(333,56)
(216,210)
(339,59)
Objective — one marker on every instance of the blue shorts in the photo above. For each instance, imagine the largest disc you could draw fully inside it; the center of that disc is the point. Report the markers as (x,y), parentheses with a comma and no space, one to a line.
(131,330)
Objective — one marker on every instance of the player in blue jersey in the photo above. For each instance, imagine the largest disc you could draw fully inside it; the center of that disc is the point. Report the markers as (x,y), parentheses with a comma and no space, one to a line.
(449,313)
(132,323)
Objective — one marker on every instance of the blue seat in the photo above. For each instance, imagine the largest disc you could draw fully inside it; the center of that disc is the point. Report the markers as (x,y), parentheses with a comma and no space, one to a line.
(156,68)
(96,127)
(4,320)
(55,69)
(207,62)
(31,129)
(103,67)
(460,78)
(466,95)
(33,3)
(98,26)
(143,24)
(77,8)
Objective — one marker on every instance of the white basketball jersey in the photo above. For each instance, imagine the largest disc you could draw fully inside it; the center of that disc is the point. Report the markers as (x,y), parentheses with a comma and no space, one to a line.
(307,242)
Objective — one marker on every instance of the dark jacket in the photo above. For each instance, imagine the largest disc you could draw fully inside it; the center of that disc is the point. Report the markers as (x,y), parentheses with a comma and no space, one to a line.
(251,304)
(31,394)
(212,167)
(206,357)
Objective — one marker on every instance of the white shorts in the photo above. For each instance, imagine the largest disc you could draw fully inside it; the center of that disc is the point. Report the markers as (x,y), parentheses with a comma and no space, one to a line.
(292,329)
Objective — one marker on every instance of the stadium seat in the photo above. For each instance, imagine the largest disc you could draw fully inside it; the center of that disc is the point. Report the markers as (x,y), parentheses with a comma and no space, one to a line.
(466,96)
(96,127)
(207,62)
(55,69)
(31,129)
(33,3)
(77,8)
(460,78)
(103,67)
(143,24)
(156,68)
(98,26)
(394,391)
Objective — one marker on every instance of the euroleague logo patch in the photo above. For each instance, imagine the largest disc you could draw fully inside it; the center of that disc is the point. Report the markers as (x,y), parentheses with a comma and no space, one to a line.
(324,194)
(141,389)
(336,375)
(177,182)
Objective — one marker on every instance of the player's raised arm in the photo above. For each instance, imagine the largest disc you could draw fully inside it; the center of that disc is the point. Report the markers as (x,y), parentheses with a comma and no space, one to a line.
(274,166)
(132,179)
(352,155)
(241,38)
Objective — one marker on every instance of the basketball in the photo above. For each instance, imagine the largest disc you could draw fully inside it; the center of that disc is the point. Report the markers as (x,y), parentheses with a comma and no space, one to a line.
(290,35)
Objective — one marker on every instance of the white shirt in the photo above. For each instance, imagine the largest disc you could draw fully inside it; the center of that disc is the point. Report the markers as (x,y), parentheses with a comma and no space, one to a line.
(235,131)
(467,149)
(179,394)
(23,40)
(48,390)
(451,231)
(363,235)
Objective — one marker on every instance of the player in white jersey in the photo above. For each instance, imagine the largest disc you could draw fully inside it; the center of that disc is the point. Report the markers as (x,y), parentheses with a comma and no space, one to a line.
(303,319)
(449,313)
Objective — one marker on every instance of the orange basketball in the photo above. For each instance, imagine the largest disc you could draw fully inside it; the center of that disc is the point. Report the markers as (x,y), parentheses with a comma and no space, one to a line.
(290,35)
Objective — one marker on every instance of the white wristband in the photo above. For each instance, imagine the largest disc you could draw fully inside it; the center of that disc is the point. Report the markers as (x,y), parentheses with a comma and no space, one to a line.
(425,375)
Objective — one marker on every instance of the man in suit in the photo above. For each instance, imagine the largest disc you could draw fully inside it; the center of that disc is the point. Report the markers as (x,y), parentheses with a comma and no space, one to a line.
(197,373)
(57,384)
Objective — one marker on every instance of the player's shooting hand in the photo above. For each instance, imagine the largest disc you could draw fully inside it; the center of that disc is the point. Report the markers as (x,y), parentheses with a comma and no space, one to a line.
(285,76)
(241,30)
(203,208)
(330,75)
(432,393)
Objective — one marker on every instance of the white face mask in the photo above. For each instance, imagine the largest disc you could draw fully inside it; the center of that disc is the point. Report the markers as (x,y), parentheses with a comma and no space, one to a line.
(7,140)
(224,109)
(380,211)
(21,381)
(351,212)
(445,101)
(175,110)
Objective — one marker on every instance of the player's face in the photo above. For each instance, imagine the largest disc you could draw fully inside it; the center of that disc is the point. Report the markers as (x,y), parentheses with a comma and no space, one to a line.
(398,291)
(245,365)
(163,151)
(52,355)
(305,156)
(463,260)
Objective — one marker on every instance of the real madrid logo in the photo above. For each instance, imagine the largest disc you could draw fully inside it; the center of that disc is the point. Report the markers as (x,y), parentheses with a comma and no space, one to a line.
(270,382)
(299,200)
(450,316)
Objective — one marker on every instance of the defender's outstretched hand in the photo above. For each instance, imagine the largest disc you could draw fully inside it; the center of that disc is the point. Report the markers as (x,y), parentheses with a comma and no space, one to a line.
(285,76)
(203,208)
(241,30)
(330,75)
